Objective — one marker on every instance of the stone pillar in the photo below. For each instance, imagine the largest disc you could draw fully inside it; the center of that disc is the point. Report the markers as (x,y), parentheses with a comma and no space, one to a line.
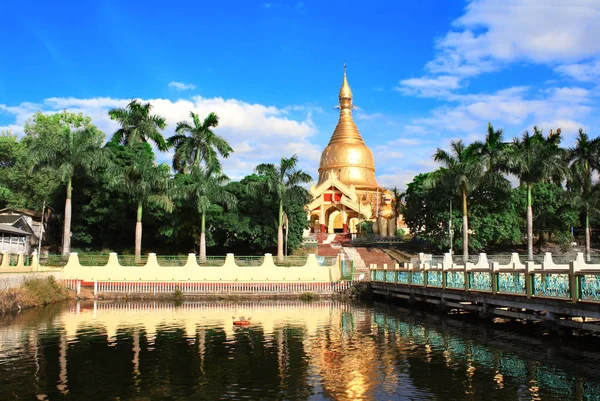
(344,219)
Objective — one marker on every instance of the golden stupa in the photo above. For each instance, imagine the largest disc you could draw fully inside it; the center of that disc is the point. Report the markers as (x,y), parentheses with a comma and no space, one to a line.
(346,156)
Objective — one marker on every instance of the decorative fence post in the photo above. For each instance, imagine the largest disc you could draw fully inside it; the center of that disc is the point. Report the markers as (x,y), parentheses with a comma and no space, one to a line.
(574,267)
(35,261)
(529,273)
(494,272)
(20,260)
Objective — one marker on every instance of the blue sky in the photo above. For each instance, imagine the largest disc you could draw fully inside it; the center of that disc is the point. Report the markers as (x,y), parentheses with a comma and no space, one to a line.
(422,73)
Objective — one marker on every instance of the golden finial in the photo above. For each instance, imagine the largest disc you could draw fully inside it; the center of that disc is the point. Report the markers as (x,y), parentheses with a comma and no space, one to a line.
(345,96)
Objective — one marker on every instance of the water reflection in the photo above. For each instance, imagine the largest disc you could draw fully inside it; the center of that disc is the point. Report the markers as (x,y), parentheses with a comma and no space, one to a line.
(292,351)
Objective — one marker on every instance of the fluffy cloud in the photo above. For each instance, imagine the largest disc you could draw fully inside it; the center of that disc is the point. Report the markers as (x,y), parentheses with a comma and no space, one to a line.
(492,34)
(586,71)
(429,87)
(257,133)
(180,86)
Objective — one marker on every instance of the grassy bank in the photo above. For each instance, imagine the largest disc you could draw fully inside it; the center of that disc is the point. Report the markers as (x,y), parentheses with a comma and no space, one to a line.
(34,292)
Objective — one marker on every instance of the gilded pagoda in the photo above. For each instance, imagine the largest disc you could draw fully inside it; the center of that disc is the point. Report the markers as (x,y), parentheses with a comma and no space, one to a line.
(347,191)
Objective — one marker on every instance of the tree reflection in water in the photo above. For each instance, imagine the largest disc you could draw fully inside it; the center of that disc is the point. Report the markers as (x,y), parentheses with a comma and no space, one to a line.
(292,351)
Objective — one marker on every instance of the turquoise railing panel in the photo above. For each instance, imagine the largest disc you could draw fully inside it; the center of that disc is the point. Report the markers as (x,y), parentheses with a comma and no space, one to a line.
(373,275)
(418,278)
(403,277)
(551,285)
(480,281)
(455,280)
(390,275)
(379,275)
(589,285)
(434,278)
(511,283)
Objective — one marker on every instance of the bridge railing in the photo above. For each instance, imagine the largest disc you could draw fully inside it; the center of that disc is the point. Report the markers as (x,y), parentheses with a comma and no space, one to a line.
(576,281)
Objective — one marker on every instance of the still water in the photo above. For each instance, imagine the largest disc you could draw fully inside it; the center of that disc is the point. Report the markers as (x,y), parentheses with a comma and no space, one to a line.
(292,350)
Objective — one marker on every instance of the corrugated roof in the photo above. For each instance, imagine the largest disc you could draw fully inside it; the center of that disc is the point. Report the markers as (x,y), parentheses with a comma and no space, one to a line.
(7,228)
(26,212)
(9,219)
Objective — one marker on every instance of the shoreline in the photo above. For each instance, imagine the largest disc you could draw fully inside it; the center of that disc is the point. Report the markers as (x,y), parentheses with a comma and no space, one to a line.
(35,292)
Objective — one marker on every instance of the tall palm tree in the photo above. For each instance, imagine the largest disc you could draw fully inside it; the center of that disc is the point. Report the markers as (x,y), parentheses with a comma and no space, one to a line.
(461,168)
(283,180)
(535,158)
(68,149)
(144,182)
(138,125)
(584,159)
(196,143)
(492,150)
(398,206)
(204,187)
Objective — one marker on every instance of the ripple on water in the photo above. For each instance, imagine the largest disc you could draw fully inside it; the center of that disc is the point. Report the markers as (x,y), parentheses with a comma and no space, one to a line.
(292,350)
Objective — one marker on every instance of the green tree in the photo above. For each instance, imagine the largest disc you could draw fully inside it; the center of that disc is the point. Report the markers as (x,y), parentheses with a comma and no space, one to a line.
(22,186)
(66,142)
(197,143)
(462,168)
(283,181)
(584,159)
(533,159)
(204,187)
(144,182)
(493,150)
(138,125)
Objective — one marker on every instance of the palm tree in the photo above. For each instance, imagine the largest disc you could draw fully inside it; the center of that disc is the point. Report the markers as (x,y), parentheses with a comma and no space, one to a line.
(202,144)
(67,149)
(138,125)
(204,187)
(493,150)
(463,170)
(584,159)
(144,182)
(283,180)
(398,207)
(535,158)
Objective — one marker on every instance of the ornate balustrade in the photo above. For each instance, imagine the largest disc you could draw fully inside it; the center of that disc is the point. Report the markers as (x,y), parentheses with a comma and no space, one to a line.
(574,281)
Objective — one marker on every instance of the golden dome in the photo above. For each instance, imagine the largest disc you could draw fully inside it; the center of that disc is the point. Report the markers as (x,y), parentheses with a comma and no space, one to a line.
(346,155)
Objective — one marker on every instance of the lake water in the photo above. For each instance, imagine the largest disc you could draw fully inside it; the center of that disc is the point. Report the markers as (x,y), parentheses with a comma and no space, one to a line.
(292,350)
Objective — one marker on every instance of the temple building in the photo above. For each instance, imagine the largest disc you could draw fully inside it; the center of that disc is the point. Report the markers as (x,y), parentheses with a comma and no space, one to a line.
(347,191)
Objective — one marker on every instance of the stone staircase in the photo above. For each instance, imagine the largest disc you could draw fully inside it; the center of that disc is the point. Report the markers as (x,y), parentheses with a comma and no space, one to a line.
(362,257)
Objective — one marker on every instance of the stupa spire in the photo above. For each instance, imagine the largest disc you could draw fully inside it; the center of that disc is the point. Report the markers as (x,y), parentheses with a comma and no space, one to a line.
(345,96)
(346,155)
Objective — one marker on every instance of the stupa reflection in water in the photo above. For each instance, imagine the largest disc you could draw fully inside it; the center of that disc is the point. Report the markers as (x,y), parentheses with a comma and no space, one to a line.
(293,350)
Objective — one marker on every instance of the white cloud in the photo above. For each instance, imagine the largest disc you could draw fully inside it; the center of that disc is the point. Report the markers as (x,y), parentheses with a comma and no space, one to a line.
(492,34)
(513,109)
(180,86)
(429,86)
(404,142)
(258,133)
(586,71)
(360,115)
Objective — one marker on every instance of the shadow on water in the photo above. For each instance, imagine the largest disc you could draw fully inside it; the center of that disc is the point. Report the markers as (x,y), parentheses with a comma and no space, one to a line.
(321,350)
